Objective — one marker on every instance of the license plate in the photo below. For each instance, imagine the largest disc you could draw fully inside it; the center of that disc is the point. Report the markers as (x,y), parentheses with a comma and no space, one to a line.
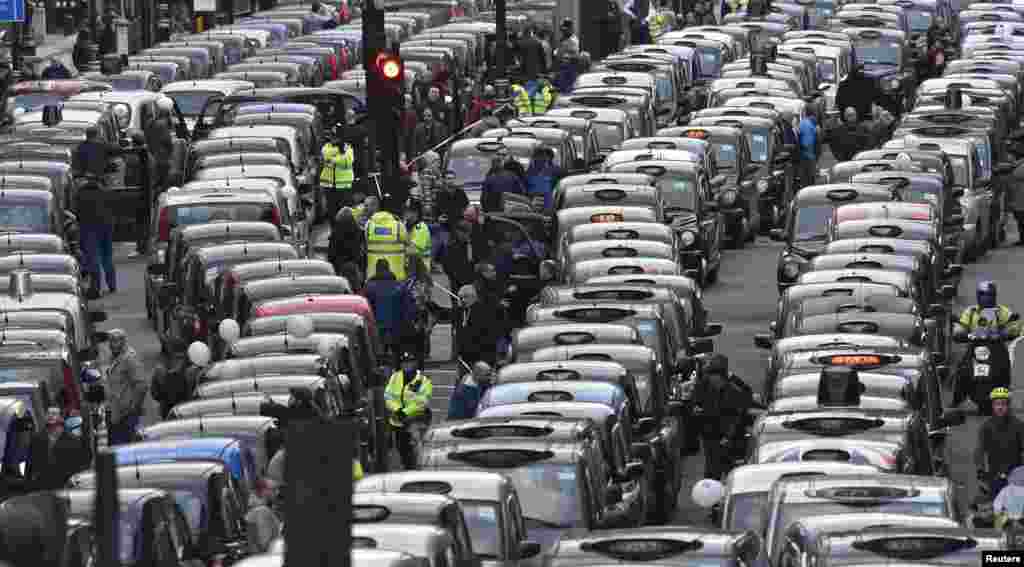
(981,369)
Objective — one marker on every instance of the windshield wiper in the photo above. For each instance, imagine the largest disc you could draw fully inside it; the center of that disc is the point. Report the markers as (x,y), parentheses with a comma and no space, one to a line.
(544,523)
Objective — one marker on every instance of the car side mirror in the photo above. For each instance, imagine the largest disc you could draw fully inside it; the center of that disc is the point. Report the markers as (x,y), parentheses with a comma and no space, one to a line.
(783,157)
(701,345)
(764,341)
(157,270)
(717,181)
(953,417)
(528,549)
(948,292)
(712,329)
(777,235)
(97,316)
(644,426)
(954,220)
(953,271)
(958,191)
(936,310)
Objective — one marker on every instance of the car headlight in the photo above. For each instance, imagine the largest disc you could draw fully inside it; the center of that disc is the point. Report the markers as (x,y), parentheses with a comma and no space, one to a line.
(729,198)
(687,238)
(895,84)
(790,271)
(762,185)
(981,353)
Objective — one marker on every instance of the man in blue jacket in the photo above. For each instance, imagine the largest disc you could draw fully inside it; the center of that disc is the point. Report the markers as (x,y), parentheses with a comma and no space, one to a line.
(384,292)
(469,392)
(500,180)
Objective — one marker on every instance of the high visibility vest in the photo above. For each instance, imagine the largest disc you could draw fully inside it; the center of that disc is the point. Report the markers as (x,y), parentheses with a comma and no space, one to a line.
(656,24)
(539,104)
(386,238)
(357,470)
(337,171)
(399,396)
(972,316)
(419,237)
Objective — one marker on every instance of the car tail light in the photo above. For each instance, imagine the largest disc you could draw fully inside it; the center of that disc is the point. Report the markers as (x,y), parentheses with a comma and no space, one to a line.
(275,216)
(216,562)
(888,460)
(198,328)
(165,225)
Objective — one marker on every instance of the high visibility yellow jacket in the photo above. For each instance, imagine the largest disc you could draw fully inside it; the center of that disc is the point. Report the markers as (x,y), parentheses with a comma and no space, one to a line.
(337,171)
(656,23)
(357,470)
(540,102)
(401,396)
(973,318)
(419,237)
(386,238)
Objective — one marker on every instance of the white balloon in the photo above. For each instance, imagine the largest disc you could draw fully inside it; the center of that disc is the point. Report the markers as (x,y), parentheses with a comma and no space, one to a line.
(299,326)
(707,493)
(199,353)
(326,347)
(229,330)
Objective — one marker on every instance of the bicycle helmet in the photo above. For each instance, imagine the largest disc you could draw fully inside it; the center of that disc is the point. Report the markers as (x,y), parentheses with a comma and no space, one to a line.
(999,394)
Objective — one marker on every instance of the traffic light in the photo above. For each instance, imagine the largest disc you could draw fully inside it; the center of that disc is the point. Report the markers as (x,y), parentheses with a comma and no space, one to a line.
(390,74)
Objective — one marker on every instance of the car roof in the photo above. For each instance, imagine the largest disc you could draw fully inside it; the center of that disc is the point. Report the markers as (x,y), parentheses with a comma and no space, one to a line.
(760,477)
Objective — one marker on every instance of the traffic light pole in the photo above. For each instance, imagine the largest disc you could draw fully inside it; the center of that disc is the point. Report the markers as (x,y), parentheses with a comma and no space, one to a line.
(383,130)
(501,81)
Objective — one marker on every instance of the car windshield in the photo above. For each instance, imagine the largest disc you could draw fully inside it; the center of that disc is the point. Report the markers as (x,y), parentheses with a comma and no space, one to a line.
(31,374)
(35,101)
(680,192)
(919,21)
(710,62)
(21,216)
(812,222)
(609,135)
(191,103)
(759,140)
(482,522)
(725,156)
(663,86)
(875,53)
(127,83)
(470,169)
(826,70)
(650,333)
(959,170)
(747,511)
(548,494)
(202,214)
(932,505)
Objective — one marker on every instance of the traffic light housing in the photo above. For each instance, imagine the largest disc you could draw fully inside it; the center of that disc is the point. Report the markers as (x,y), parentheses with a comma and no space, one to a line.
(389,74)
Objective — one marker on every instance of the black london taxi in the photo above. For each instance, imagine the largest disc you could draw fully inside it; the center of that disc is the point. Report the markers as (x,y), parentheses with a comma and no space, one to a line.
(490,506)
(207,495)
(47,358)
(584,134)
(429,543)
(272,365)
(944,546)
(737,196)
(898,229)
(617,231)
(468,161)
(231,281)
(746,488)
(525,394)
(325,391)
(922,250)
(526,340)
(806,231)
(662,546)
(258,434)
(638,105)
(802,537)
(843,171)
(558,141)
(255,292)
(863,298)
(774,179)
(436,510)
(31,211)
(796,499)
(556,480)
(245,405)
(32,243)
(167,254)
(683,286)
(613,249)
(611,125)
(917,189)
(904,281)
(568,219)
(904,264)
(657,418)
(188,304)
(875,385)
(592,440)
(790,346)
(596,195)
(154,529)
(52,310)
(581,370)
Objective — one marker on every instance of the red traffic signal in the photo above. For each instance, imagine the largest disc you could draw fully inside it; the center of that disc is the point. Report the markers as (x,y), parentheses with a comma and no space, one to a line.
(389,67)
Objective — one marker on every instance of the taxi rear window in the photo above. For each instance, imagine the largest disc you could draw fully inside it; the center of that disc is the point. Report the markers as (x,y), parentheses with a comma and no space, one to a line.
(24,216)
(206,213)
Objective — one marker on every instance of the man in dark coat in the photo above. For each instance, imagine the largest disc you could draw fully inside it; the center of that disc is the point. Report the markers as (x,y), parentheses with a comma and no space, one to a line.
(66,452)
(160,142)
(724,400)
(860,92)
(502,179)
(531,54)
(850,138)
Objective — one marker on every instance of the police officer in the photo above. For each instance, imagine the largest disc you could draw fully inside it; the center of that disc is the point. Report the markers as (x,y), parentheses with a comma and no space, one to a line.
(1000,447)
(337,173)
(974,316)
(386,238)
(407,397)
(420,245)
(536,101)
(723,401)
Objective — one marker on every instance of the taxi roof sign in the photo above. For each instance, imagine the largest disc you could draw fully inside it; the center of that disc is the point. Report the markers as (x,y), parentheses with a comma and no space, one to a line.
(917,547)
(642,549)
(853,360)
(698,134)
